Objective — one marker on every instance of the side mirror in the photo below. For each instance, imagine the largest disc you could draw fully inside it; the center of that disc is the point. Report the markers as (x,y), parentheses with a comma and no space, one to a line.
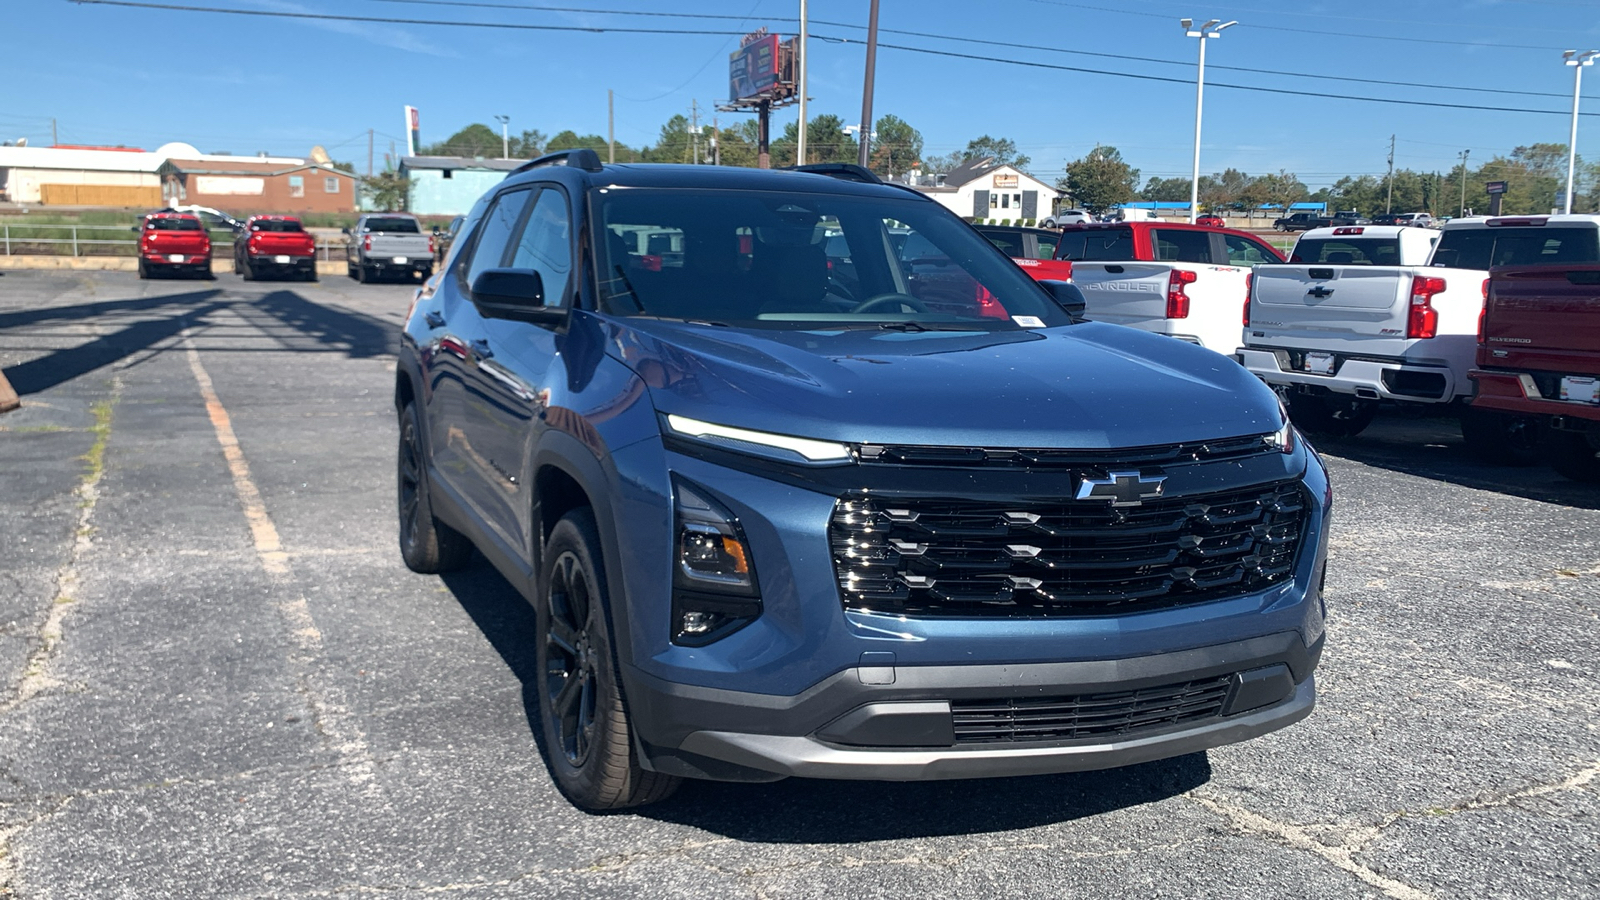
(1070,296)
(345,230)
(136,229)
(516,294)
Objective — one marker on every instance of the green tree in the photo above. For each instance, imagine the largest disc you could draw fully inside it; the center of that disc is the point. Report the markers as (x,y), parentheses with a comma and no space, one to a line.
(1100,180)
(896,146)
(677,142)
(1165,190)
(736,148)
(529,144)
(474,140)
(1284,189)
(388,191)
(1004,151)
(826,141)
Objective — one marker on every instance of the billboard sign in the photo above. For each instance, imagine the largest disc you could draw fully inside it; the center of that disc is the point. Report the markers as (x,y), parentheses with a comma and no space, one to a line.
(1495,187)
(413,131)
(753,68)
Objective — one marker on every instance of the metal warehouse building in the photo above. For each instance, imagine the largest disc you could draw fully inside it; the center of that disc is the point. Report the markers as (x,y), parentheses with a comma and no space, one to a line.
(449,185)
(82,176)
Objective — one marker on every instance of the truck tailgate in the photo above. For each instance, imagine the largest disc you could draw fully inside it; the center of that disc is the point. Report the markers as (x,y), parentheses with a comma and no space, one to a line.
(411,246)
(1124,293)
(288,243)
(1543,318)
(1317,307)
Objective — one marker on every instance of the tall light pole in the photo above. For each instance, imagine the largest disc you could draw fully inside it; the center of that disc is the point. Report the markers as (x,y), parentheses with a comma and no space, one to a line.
(1577,60)
(1211,29)
(1464,155)
(866,92)
(505,136)
(800,143)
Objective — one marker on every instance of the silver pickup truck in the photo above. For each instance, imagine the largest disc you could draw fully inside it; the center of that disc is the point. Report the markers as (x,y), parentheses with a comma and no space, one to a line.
(388,244)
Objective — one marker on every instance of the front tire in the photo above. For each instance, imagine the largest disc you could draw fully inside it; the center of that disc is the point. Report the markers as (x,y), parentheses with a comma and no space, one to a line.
(1572,454)
(1500,439)
(587,733)
(427,545)
(1331,415)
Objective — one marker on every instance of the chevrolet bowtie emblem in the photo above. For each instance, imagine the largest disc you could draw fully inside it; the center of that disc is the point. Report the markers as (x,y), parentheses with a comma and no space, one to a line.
(1122,488)
(1321,292)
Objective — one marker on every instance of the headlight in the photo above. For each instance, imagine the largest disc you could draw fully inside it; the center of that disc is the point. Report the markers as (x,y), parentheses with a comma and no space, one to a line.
(780,446)
(1283,438)
(715,591)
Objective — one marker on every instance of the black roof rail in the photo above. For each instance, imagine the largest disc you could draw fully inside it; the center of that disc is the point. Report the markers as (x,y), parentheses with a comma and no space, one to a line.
(841,171)
(578,157)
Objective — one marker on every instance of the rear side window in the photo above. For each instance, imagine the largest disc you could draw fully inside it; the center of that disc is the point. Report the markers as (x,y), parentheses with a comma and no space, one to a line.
(1096,244)
(495,232)
(1181,246)
(1348,252)
(1485,248)
(394,225)
(1047,247)
(1243,251)
(1009,243)
(173,224)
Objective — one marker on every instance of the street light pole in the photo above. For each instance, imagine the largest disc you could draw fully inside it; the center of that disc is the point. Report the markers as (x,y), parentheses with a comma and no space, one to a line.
(866,92)
(1577,61)
(800,140)
(505,136)
(1211,29)
(1464,155)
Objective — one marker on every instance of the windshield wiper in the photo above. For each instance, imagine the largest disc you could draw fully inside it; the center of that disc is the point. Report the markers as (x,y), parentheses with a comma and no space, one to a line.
(902,326)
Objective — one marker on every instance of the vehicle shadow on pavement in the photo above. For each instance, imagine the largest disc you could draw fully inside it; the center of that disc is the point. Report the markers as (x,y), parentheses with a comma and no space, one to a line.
(362,336)
(844,812)
(63,365)
(1433,448)
(824,812)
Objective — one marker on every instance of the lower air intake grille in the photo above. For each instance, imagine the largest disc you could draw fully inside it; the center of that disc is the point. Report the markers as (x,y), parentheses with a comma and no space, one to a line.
(926,557)
(1088,715)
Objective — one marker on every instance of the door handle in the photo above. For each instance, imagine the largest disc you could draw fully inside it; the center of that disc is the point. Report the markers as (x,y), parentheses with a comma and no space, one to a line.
(480,348)
(433,318)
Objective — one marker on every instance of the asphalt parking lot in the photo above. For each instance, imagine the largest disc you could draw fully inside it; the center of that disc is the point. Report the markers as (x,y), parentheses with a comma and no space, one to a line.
(218,680)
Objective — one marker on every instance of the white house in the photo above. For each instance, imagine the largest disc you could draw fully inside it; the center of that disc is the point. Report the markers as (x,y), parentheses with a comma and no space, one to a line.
(985,189)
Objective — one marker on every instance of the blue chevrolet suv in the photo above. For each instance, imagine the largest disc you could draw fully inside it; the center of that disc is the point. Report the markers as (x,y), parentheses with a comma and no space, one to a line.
(803,477)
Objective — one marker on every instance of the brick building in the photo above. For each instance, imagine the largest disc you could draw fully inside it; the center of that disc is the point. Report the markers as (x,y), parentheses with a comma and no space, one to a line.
(248,186)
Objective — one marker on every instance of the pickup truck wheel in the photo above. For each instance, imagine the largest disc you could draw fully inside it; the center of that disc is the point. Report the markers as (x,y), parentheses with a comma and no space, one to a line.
(363,274)
(248,271)
(588,738)
(1331,415)
(144,271)
(1573,454)
(1500,439)
(426,544)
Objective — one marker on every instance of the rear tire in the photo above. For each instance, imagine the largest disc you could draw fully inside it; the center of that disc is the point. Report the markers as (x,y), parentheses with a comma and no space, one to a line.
(1500,439)
(427,545)
(144,270)
(588,737)
(363,274)
(248,271)
(1331,415)
(1573,455)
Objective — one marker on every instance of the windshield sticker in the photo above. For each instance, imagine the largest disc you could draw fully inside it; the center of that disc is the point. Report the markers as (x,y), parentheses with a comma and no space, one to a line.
(1028,321)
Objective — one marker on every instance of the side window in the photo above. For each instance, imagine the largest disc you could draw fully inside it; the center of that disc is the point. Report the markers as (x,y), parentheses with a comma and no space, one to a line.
(494,233)
(1182,246)
(1047,247)
(546,245)
(1245,252)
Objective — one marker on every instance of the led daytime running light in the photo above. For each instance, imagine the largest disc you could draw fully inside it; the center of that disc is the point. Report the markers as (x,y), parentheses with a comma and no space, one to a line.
(812,450)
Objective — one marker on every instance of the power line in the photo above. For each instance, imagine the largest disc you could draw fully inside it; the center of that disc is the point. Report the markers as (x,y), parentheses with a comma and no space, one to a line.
(598,29)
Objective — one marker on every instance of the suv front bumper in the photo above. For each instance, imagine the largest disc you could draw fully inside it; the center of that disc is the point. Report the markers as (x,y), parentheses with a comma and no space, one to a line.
(881,722)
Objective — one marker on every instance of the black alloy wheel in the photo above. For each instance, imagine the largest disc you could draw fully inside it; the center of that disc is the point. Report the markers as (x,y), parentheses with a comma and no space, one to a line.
(588,735)
(427,545)
(570,664)
(1501,439)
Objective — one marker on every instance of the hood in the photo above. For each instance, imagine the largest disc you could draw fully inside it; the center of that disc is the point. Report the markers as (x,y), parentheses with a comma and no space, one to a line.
(1091,386)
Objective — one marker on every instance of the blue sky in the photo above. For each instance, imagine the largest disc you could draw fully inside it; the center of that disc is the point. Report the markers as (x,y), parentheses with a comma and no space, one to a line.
(247,84)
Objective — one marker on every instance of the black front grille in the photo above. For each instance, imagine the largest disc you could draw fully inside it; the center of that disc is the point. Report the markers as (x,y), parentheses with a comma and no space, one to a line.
(1176,454)
(1089,715)
(926,557)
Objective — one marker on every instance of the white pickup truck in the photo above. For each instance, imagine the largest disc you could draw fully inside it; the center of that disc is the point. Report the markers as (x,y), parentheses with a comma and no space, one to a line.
(1184,281)
(1365,314)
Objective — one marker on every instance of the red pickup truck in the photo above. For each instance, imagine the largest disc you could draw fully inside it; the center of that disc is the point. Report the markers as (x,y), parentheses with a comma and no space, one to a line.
(274,245)
(1033,249)
(173,242)
(1539,357)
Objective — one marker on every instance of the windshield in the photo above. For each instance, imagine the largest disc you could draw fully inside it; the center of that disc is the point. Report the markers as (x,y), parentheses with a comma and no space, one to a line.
(1484,248)
(1348,251)
(806,260)
(1096,244)
(270,225)
(394,226)
(173,224)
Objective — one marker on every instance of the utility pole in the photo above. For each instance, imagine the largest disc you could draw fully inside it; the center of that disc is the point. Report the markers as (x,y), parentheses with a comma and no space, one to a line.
(1389,206)
(716,142)
(1464,154)
(694,135)
(611,126)
(369,152)
(865,149)
(800,144)
(54,140)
